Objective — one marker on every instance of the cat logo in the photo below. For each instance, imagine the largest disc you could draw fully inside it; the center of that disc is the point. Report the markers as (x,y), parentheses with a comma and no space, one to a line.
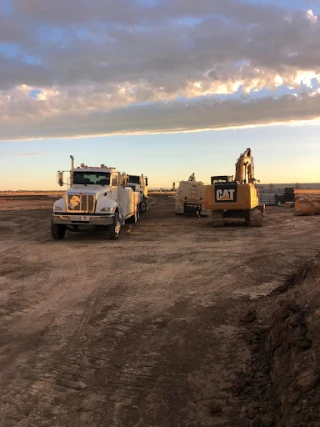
(226,195)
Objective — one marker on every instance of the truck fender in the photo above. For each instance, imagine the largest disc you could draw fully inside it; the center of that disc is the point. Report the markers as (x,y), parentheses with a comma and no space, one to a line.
(60,205)
(106,206)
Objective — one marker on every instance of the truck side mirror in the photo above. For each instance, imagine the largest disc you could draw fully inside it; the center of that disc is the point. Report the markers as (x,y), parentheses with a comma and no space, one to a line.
(146,181)
(60,179)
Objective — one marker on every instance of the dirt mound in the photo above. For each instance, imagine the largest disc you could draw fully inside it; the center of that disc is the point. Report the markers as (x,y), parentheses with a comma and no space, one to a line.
(281,386)
(294,350)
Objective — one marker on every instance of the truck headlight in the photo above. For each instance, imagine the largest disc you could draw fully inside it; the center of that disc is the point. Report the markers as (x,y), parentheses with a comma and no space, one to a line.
(108,210)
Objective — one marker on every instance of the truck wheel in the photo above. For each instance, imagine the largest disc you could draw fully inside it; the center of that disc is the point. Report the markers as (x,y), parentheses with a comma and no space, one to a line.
(114,229)
(58,231)
(143,206)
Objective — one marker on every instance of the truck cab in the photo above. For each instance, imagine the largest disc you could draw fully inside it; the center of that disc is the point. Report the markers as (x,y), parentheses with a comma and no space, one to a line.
(97,197)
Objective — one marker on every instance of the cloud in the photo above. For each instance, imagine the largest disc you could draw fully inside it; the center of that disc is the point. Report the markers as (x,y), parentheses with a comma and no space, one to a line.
(91,67)
(175,116)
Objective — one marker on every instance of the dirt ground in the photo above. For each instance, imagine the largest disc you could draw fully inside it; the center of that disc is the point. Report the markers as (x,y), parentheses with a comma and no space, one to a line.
(174,324)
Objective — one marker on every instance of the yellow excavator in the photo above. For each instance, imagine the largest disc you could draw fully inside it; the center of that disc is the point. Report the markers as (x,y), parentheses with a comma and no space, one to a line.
(238,197)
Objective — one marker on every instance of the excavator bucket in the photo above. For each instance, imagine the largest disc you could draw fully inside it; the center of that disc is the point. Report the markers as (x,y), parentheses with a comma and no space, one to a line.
(303,206)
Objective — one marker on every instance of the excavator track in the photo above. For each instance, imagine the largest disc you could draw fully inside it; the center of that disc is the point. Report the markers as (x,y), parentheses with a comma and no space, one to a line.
(217,219)
(255,218)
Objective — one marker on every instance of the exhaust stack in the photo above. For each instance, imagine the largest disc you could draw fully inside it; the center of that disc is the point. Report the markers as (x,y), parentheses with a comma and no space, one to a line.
(72,167)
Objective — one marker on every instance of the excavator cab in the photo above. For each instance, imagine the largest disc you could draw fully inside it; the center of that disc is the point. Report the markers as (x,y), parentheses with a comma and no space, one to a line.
(221,178)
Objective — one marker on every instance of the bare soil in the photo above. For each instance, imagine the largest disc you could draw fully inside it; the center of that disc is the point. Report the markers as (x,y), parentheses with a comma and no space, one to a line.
(174,324)
(31,194)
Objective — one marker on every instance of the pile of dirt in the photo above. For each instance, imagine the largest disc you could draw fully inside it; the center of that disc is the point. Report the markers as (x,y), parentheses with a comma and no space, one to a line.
(294,350)
(281,386)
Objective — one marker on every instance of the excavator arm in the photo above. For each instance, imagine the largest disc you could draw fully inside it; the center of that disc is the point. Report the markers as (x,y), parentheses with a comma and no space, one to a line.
(245,168)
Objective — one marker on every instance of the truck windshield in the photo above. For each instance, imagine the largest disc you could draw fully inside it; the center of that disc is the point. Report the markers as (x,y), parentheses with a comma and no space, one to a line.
(134,179)
(91,178)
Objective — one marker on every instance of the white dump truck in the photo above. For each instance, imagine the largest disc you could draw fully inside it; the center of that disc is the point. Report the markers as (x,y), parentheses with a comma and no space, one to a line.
(139,183)
(97,197)
(189,197)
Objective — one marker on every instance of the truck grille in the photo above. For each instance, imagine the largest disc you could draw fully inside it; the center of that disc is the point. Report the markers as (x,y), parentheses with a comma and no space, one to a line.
(81,203)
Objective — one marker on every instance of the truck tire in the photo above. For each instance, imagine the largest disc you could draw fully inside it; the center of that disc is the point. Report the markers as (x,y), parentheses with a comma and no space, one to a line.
(58,231)
(114,229)
(143,206)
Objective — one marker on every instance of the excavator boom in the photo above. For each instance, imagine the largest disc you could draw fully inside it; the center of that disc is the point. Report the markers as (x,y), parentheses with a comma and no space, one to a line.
(245,168)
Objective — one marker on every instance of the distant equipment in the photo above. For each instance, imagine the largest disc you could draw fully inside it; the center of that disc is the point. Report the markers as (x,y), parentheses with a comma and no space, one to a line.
(235,198)
(287,196)
(189,197)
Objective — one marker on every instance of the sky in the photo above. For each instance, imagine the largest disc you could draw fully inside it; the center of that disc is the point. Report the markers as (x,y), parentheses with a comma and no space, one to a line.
(159,87)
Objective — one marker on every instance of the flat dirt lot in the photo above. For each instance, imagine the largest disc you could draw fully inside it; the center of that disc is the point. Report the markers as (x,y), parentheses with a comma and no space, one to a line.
(174,324)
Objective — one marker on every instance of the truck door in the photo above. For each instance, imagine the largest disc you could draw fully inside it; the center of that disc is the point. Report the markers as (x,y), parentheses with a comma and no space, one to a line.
(114,187)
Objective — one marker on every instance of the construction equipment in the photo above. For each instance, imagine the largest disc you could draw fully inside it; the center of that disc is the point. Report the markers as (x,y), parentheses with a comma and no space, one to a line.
(287,196)
(189,197)
(238,197)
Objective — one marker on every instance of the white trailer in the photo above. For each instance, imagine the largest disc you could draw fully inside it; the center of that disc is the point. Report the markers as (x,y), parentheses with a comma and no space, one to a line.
(97,197)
